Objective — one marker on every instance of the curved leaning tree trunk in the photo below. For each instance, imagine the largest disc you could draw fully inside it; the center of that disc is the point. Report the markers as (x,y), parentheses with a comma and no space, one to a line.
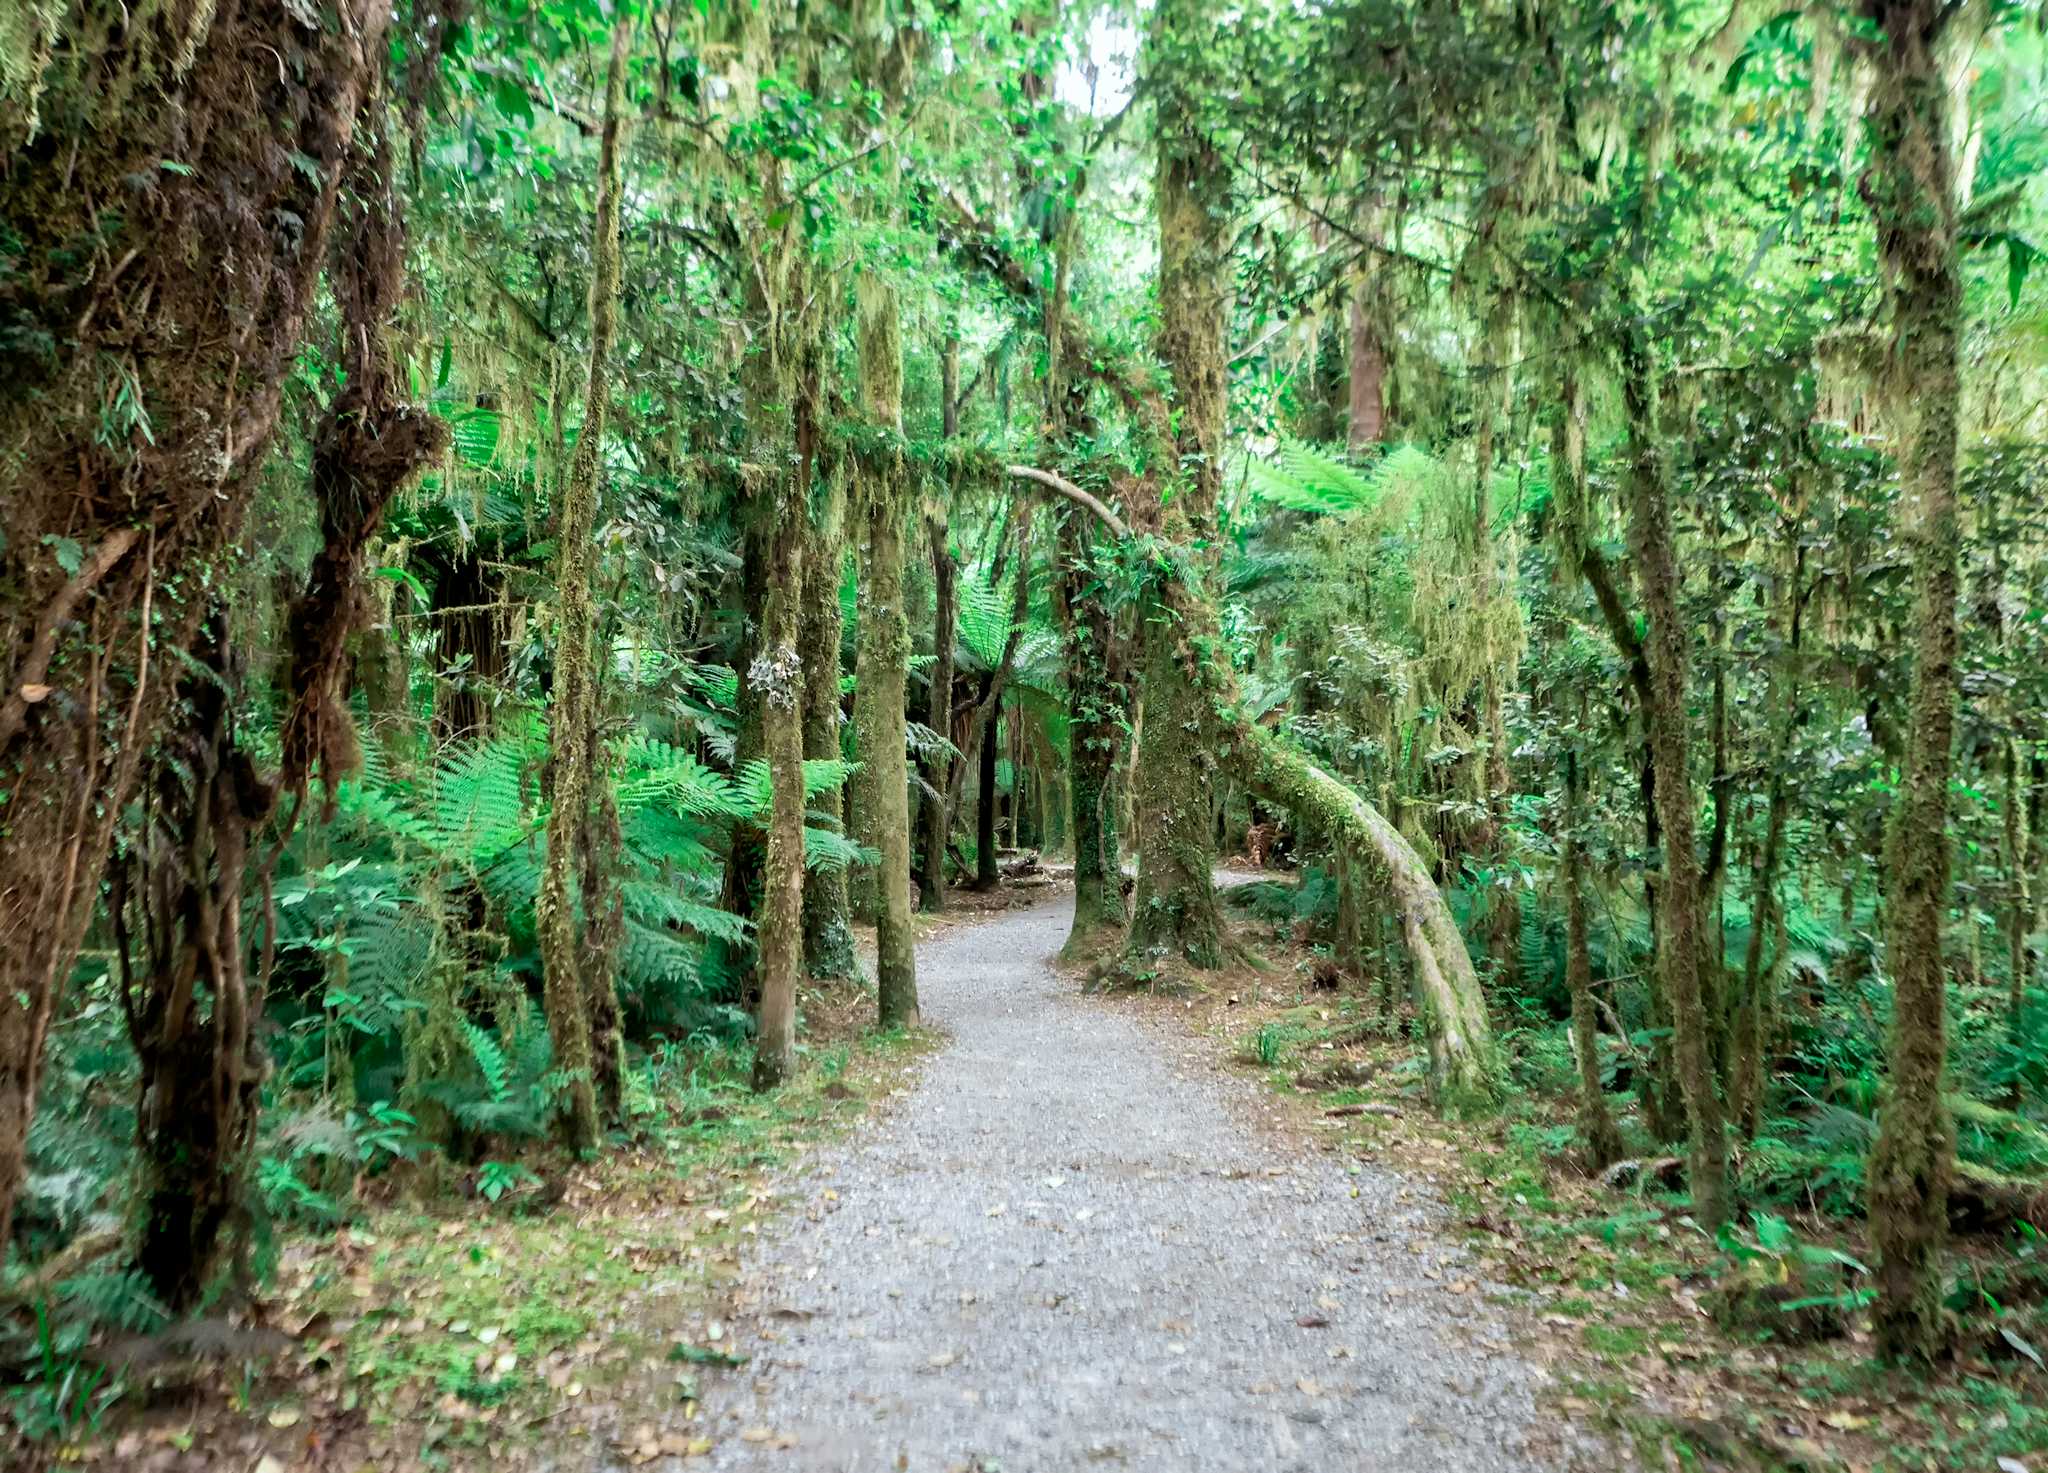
(140,384)
(1465,1071)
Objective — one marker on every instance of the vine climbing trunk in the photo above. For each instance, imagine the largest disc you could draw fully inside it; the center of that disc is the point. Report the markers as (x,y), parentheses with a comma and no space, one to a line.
(1175,920)
(1910,190)
(1096,701)
(573,728)
(195,297)
(175,898)
(881,683)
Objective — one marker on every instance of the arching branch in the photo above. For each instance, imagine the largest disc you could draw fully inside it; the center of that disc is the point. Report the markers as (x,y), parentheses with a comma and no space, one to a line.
(1061,486)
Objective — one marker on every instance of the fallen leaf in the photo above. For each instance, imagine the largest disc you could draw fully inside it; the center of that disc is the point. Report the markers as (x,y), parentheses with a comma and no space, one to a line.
(284,1417)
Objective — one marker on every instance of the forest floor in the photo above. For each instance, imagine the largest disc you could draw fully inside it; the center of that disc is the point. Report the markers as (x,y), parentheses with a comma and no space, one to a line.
(1611,1291)
(1053,1230)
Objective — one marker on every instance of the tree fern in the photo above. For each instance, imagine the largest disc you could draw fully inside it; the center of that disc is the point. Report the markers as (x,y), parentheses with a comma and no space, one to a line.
(983,624)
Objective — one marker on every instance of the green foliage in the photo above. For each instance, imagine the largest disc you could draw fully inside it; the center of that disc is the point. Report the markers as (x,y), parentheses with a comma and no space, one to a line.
(65,1395)
(1783,1288)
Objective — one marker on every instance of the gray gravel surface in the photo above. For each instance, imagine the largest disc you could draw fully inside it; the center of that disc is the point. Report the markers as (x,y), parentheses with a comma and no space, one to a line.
(1067,1248)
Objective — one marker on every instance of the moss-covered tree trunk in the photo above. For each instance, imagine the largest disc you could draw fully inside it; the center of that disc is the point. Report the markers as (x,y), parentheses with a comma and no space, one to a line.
(776,674)
(469,595)
(936,818)
(194,295)
(1754,1005)
(1366,421)
(1174,915)
(572,716)
(2019,904)
(1599,1140)
(1096,702)
(1465,1065)
(175,897)
(828,934)
(986,874)
(881,685)
(1465,1068)
(1680,931)
(1910,188)
(1574,524)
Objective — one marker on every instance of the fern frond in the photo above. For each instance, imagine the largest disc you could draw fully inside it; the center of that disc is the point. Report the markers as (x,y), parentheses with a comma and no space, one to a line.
(830,850)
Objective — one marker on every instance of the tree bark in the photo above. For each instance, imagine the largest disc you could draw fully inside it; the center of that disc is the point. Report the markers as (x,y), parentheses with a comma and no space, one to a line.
(937,819)
(828,932)
(1175,920)
(193,1013)
(568,993)
(1465,1065)
(1367,422)
(1097,703)
(881,687)
(986,875)
(198,299)
(1679,891)
(1910,189)
(1754,1006)
(1599,1140)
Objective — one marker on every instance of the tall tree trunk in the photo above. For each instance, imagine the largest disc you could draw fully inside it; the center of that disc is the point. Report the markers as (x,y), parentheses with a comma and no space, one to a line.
(1599,1140)
(1910,188)
(197,298)
(937,819)
(2019,898)
(1175,918)
(1679,893)
(828,933)
(467,597)
(1096,705)
(880,691)
(193,1012)
(1465,1065)
(777,676)
(572,727)
(1754,1007)
(986,875)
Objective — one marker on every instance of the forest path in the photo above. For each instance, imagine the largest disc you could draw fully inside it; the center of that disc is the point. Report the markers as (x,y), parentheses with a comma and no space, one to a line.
(1068,1250)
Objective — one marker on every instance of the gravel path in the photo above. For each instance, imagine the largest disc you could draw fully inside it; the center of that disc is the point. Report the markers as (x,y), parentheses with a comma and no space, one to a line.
(1061,1252)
